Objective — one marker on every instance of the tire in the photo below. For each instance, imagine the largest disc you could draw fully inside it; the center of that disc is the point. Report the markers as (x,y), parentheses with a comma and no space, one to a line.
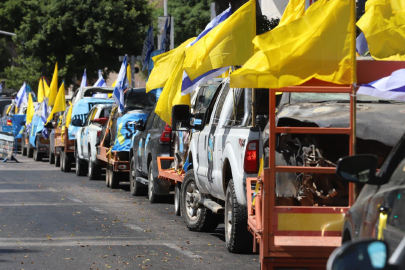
(81,166)
(57,161)
(237,237)
(51,157)
(37,156)
(152,196)
(23,148)
(30,153)
(62,163)
(177,192)
(196,217)
(107,176)
(67,166)
(137,189)
(114,179)
(93,170)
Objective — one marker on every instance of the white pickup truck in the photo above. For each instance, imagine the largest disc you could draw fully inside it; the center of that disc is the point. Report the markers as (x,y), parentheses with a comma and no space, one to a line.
(224,150)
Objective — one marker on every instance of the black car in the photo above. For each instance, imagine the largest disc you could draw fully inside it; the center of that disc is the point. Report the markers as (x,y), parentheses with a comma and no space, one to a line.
(153,140)
(379,211)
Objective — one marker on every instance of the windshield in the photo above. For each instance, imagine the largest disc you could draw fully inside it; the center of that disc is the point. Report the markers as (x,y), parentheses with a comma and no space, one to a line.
(138,99)
(90,92)
(331,97)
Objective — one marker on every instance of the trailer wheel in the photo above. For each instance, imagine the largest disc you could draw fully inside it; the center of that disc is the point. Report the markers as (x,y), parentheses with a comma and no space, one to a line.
(67,166)
(57,161)
(107,176)
(81,166)
(114,179)
(94,170)
(196,217)
(51,157)
(238,238)
(137,189)
(177,191)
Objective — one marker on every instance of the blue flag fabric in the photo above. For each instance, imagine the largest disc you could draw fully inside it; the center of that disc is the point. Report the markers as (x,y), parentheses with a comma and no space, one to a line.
(126,129)
(80,111)
(33,131)
(391,87)
(84,80)
(148,47)
(189,85)
(100,82)
(17,119)
(118,94)
(22,97)
(165,42)
(361,44)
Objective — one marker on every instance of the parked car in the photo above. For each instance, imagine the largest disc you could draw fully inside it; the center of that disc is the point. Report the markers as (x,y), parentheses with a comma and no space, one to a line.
(90,92)
(87,140)
(224,150)
(153,140)
(381,199)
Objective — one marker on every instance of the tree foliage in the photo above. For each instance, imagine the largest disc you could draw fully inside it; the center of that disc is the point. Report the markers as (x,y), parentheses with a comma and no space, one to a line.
(77,34)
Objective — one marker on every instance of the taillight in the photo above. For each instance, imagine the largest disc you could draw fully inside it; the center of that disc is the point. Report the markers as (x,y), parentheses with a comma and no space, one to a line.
(251,164)
(165,137)
(9,122)
(98,133)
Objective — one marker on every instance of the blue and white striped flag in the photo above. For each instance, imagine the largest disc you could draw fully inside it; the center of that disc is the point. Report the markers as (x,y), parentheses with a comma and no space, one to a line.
(22,97)
(361,44)
(84,80)
(189,85)
(100,82)
(148,48)
(391,87)
(119,87)
(44,117)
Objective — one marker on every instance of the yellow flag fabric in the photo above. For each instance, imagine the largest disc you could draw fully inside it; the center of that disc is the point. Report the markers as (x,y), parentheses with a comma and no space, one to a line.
(316,5)
(60,102)
(129,74)
(54,86)
(114,83)
(398,6)
(47,90)
(30,110)
(384,31)
(69,115)
(164,65)
(228,44)
(41,94)
(171,94)
(294,10)
(320,45)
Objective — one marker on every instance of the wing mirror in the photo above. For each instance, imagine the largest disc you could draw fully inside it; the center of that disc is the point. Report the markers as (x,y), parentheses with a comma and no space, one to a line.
(102,121)
(139,125)
(358,169)
(22,123)
(180,117)
(77,123)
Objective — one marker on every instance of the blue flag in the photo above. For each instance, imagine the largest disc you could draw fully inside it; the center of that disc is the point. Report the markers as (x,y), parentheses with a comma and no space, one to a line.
(148,48)
(361,44)
(189,85)
(391,87)
(165,42)
(119,87)
(22,97)
(126,129)
(84,80)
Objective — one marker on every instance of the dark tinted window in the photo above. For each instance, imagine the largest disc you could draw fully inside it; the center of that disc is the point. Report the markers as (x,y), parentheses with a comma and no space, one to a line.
(221,103)
(205,95)
(4,103)
(90,92)
(138,99)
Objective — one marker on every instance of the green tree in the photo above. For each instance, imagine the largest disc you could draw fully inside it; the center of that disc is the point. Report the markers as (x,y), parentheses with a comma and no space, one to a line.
(26,70)
(78,34)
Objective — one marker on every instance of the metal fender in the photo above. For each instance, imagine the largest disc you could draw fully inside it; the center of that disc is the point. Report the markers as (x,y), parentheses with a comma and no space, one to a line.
(237,174)
(92,142)
(193,151)
(77,147)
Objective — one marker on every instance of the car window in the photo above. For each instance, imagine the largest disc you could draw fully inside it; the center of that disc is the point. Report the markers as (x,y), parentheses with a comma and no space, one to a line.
(138,99)
(105,113)
(90,116)
(235,117)
(396,156)
(205,95)
(91,91)
(221,103)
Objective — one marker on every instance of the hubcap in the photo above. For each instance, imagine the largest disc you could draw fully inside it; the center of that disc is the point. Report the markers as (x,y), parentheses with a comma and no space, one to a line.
(150,184)
(192,198)
(133,174)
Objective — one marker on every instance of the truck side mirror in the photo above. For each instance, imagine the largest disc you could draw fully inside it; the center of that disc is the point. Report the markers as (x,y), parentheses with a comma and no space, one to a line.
(77,123)
(180,117)
(358,169)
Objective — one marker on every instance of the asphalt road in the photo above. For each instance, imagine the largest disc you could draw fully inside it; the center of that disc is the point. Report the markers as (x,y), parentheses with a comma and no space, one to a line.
(55,220)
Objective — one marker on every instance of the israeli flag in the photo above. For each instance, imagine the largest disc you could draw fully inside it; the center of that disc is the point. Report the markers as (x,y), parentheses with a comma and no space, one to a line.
(361,44)
(189,85)
(391,87)
(165,42)
(100,82)
(84,80)
(148,48)
(22,97)
(119,87)
(44,117)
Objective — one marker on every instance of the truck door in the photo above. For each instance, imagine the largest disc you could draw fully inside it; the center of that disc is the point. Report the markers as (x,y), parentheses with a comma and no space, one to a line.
(143,142)
(85,131)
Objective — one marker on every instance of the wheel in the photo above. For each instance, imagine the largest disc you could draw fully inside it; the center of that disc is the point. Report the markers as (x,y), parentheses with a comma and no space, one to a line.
(177,191)
(51,157)
(196,217)
(57,161)
(37,156)
(114,179)
(24,149)
(107,176)
(94,170)
(30,153)
(67,166)
(137,189)
(81,166)
(62,163)
(153,197)
(238,238)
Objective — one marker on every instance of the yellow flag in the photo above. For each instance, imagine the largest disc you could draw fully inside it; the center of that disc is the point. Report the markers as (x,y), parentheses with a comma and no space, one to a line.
(54,86)
(316,5)
(114,83)
(30,110)
(60,102)
(384,31)
(69,115)
(47,90)
(228,44)
(164,64)
(398,6)
(129,74)
(41,93)
(171,94)
(320,45)
(294,10)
